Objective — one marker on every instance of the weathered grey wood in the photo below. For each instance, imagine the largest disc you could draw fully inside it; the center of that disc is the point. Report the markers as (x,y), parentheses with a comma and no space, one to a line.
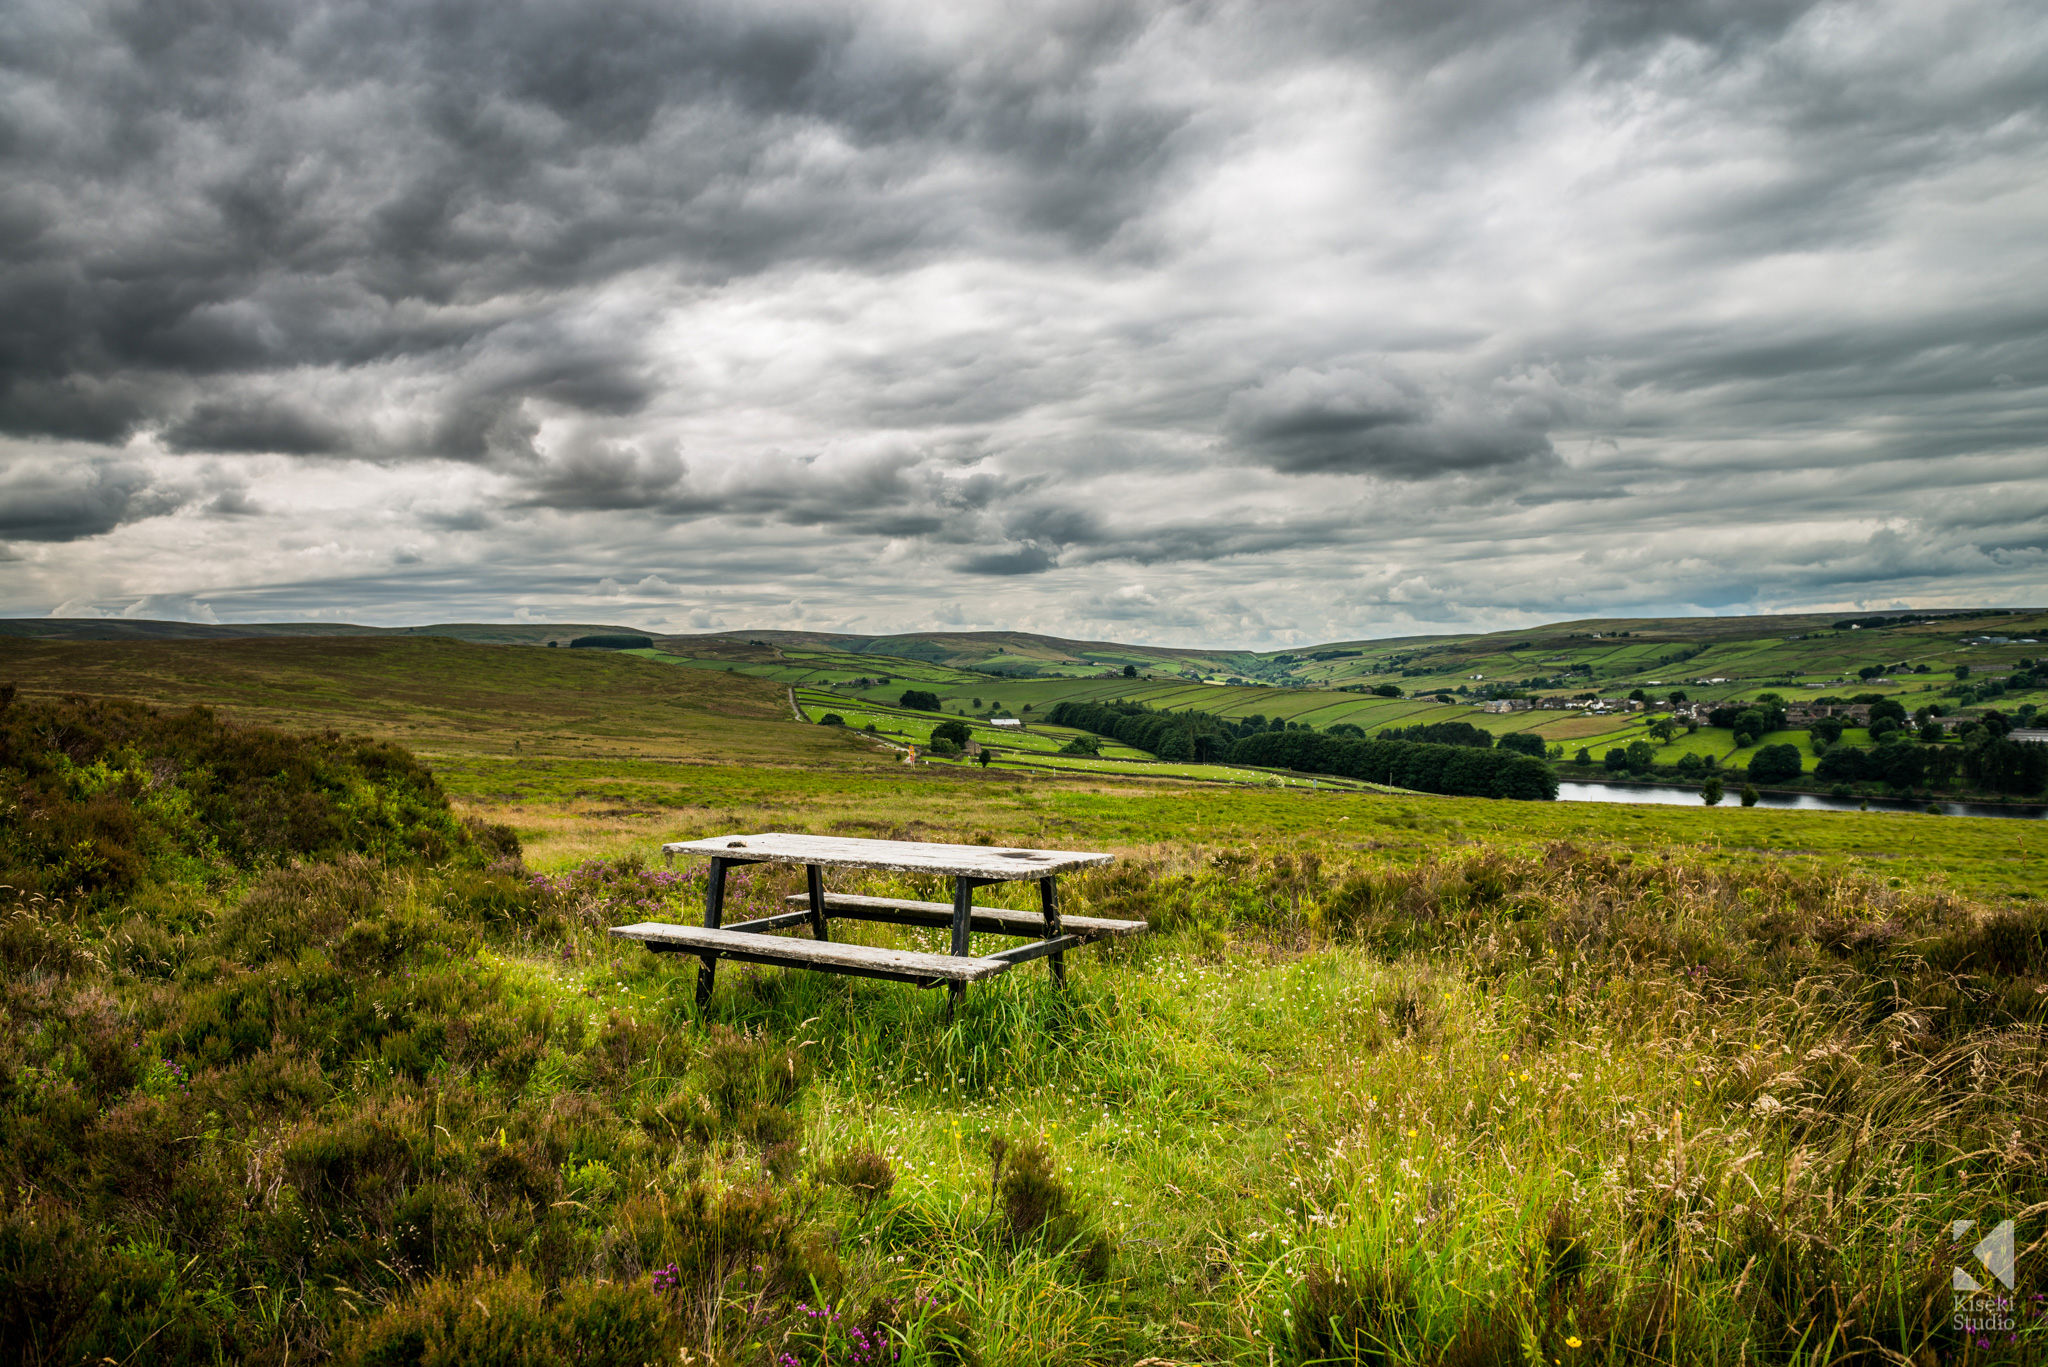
(986,920)
(1057,946)
(861,960)
(831,851)
(761,925)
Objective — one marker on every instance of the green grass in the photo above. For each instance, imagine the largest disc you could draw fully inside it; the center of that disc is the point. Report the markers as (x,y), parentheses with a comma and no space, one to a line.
(1473,1079)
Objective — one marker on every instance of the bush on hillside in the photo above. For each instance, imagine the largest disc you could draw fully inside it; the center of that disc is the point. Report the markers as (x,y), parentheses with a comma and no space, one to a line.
(109,795)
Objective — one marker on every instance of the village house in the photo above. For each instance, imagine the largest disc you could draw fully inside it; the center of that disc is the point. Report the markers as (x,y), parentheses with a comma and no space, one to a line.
(1803,713)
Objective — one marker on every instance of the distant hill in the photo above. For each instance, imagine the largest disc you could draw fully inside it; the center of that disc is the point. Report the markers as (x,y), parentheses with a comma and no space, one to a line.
(138,629)
(1648,642)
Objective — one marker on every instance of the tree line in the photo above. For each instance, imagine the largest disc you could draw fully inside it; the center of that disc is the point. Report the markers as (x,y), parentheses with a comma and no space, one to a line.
(1181,736)
(1461,770)
(1471,767)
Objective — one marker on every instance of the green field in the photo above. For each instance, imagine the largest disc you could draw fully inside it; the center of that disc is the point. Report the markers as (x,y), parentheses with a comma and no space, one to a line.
(1393,1078)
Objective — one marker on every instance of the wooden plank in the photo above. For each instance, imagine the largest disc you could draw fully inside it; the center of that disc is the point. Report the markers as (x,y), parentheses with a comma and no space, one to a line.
(830,956)
(761,925)
(988,920)
(995,864)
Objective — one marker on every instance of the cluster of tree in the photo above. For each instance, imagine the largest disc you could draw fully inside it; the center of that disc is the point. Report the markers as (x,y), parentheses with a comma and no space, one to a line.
(1454,769)
(919,700)
(950,737)
(1170,735)
(1886,716)
(1877,623)
(1439,733)
(1752,719)
(1776,764)
(1987,759)
(1901,764)
(2030,674)
(612,643)
(1637,757)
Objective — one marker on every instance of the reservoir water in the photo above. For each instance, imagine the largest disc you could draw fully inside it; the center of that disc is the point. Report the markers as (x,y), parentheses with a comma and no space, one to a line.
(1671,795)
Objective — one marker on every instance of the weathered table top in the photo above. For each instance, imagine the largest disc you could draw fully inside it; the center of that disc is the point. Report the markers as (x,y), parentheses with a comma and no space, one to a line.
(899,856)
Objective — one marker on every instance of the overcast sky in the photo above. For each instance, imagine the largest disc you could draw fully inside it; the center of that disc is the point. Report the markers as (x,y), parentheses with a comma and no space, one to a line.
(1239,324)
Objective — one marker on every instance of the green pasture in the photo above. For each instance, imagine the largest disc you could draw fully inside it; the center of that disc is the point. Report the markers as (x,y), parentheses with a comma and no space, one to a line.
(901,724)
(1075,765)
(1820,660)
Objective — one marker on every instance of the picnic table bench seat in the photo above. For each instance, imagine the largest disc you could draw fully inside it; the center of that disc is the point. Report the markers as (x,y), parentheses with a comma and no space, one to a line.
(862,961)
(991,920)
(1048,934)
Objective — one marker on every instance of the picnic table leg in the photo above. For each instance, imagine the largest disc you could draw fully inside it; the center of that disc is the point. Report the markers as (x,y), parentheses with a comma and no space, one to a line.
(1049,900)
(963,915)
(714,917)
(814,879)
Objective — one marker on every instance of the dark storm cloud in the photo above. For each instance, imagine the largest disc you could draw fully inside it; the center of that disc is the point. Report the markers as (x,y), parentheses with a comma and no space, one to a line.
(1410,307)
(248,188)
(254,425)
(610,477)
(1378,421)
(49,501)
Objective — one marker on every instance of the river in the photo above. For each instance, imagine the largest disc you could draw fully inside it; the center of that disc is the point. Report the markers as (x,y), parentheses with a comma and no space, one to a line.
(1814,802)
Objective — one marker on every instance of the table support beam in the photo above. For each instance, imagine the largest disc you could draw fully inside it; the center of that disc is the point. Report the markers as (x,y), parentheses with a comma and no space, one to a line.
(963,926)
(963,922)
(714,919)
(1049,901)
(814,882)
(1054,948)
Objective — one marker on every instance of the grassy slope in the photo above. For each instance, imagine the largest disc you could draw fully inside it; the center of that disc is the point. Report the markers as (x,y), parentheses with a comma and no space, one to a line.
(441,696)
(1251,1089)
(664,749)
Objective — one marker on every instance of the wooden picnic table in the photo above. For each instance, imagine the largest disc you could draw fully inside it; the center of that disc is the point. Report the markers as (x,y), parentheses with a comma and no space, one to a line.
(970,867)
